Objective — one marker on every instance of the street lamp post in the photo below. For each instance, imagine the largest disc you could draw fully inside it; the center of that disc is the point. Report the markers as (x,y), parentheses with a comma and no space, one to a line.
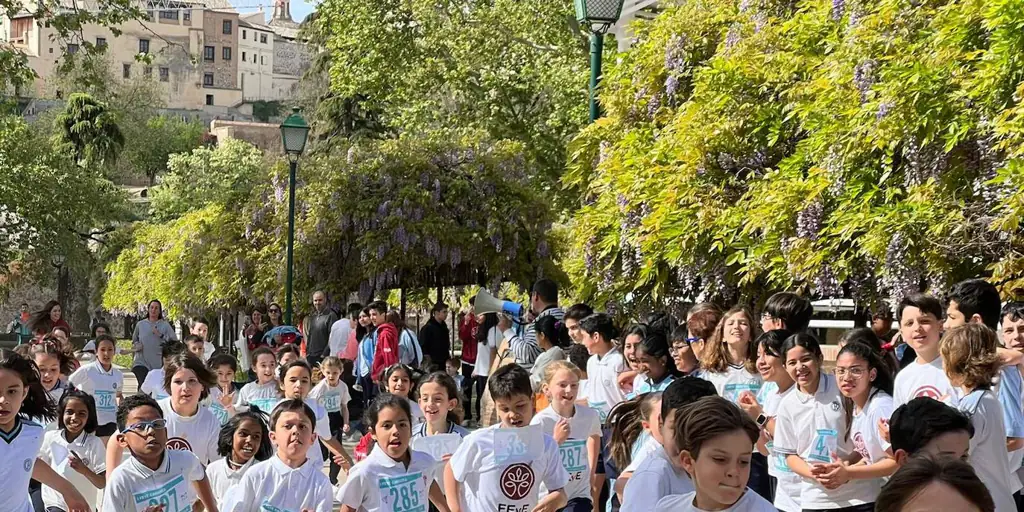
(294,132)
(599,16)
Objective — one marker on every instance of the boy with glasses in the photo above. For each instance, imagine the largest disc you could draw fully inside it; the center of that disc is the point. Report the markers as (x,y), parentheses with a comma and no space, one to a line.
(153,477)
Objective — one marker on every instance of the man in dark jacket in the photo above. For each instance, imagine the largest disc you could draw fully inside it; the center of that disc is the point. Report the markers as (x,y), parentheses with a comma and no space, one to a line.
(435,338)
(319,329)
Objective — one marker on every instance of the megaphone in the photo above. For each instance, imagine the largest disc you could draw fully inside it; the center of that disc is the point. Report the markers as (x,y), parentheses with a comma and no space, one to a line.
(487,303)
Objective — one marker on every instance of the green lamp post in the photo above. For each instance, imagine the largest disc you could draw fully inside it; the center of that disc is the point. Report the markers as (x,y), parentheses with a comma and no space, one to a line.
(599,16)
(294,132)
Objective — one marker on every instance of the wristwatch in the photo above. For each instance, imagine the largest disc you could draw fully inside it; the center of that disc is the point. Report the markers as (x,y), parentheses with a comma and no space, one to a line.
(762,420)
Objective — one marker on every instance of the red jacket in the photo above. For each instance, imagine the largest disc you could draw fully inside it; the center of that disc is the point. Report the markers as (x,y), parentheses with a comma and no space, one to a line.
(386,352)
(467,333)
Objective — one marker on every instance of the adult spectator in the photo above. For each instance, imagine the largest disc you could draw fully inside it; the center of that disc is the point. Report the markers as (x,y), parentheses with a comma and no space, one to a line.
(436,338)
(44,320)
(256,329)
(543,302)
(318,332)
(22,325)
(337,341)
(150,333)
(573,315)
(467,335)
(488,334)
(274,312)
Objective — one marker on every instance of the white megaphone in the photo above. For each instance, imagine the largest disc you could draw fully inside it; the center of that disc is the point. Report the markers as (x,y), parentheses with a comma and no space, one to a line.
(487,303)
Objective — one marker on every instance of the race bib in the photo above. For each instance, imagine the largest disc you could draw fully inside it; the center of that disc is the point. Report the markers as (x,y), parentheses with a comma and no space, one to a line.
(517,444)
(332,403)
(601,408)
(437,446)
(825,444)
(267,507)
(105,401)
(173,496)
(406,493)
(573,453)
(778,460)
(220,412)
(265,404)
(732,392)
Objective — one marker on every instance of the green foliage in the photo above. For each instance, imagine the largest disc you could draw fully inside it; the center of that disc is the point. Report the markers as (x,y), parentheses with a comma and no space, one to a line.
(150,142)
(90,129)
(853,148)
(264,110)
(225,175)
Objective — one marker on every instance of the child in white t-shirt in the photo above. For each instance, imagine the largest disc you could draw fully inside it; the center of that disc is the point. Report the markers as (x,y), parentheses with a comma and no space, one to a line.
(635,434)
(661,473)
(576,429)
(104,382)
(811,429)
(221,401)
(54,368)
(332,394)
(289,480)
(265,392)
(501,467)
(73,451)
(296,377)
(605,365)
(244,441)
(393,476)
(716,440)
(397,380)
(971,363)
(190,426)
(730,362)
(919,317)
(439,400)
(153,475)
(153,385)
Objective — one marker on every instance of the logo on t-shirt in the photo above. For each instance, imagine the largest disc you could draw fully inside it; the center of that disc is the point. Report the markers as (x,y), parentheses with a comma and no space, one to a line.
(177,443)
(517,481)
(858,444)
(835,405)
(928,391)
(27,465)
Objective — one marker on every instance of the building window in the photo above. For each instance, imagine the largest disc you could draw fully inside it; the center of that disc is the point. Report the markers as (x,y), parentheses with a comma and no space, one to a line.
(262,62)
(225,53)
(126,70)
(209,99)
(165,74)
(143,45)
(187,15)
(208,53)
(263,38)
(101,42)
(147,71)
(243,56)
(244,33)
(227,26)
(208,79)
(72,48)
(169,15)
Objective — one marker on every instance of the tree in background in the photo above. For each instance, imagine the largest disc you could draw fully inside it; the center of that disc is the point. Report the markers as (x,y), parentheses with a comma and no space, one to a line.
(90,129)
(857,149)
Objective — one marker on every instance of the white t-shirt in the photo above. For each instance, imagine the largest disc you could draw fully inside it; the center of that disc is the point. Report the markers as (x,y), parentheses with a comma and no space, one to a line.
(731,383)
(482,366)
(573,452)
(644,446)
(134,487)
(222,477)
(338,338)
(154,384)
(417,413)
(927,379)
(19,449)
(787,488)
(654,479)
(54,452)
(749,502)
(380,483)
(331,398)
(864,430)
(264,396)
(814,427)
(988,447)
(603,391)
(103,385)
(198,433)
(492,484)
(322,430)
(273,486)
(55,394)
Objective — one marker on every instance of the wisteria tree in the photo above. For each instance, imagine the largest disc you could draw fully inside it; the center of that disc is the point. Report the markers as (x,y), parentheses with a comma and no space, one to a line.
(850,148)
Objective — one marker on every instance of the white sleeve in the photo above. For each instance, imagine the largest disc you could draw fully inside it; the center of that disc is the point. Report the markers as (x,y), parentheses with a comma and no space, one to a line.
(785,439)
(325,498)
(323,427)
(351,493)
(594,428)
(335,342)
(243,495)
(79,377)
(115,496)
(97,454)
(147,386)
(643,490)
(194,470)
(464,460)
(317,393)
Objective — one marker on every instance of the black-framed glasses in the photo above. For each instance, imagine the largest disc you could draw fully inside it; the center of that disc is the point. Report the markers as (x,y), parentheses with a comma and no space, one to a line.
(275,310)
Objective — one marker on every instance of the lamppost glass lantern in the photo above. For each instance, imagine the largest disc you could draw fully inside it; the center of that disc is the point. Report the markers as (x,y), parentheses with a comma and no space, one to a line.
(294,132)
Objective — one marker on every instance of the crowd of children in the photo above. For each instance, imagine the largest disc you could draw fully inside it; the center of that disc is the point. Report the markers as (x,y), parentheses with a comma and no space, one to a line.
(724,412)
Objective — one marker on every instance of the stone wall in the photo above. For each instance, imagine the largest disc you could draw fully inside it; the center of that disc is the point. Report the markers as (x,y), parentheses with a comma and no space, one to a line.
(225,72)
(290,58)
